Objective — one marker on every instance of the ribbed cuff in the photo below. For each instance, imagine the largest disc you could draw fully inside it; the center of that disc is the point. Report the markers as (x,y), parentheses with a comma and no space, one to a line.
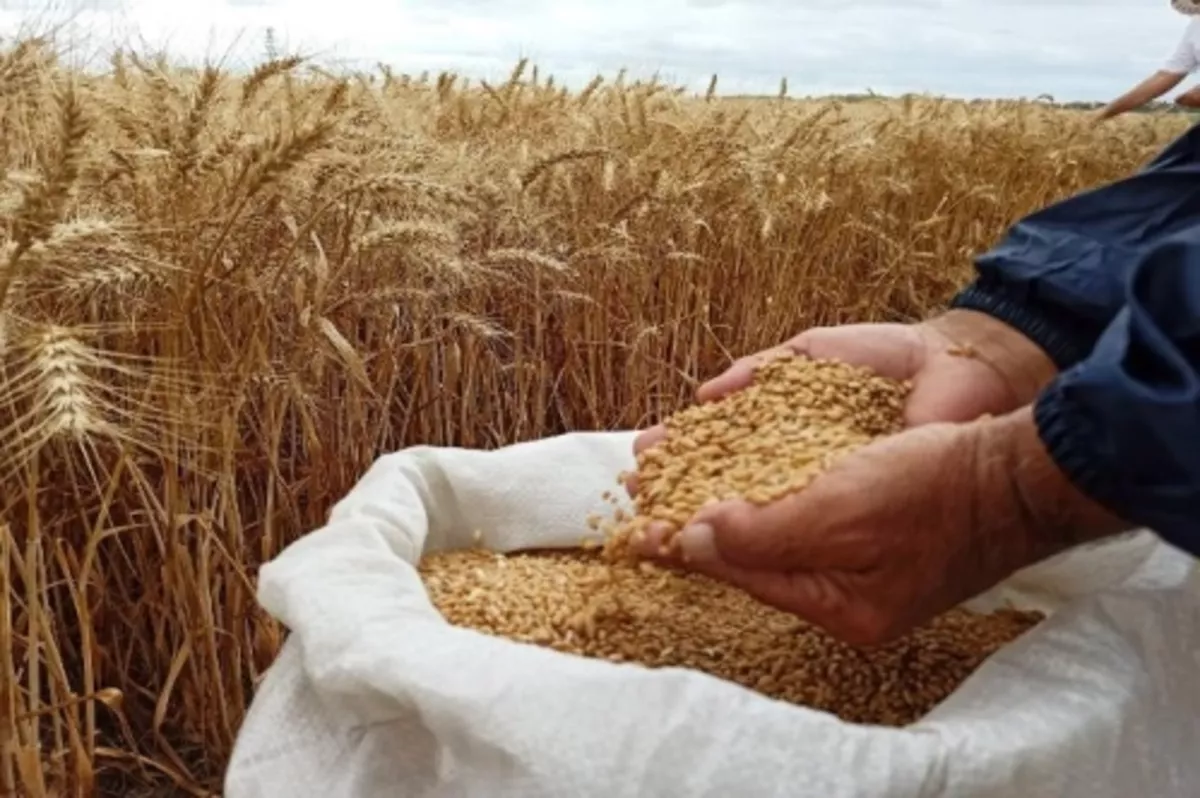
(1066,437)
(1066,343)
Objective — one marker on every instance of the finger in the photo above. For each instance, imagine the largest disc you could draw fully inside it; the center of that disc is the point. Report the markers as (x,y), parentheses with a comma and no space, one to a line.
(890,350)
(650,542)
(805,530)
(831,524)
(849,516)
(652,436)
(740,374)
(793,591)
(831,601)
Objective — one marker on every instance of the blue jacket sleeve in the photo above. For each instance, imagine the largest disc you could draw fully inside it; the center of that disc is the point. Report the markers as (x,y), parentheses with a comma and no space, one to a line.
(1060,274)
(1124,423)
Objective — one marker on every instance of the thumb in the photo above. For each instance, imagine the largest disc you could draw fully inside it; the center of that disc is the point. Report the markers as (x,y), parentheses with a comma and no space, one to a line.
(811,530)
(815,596)
(843,518)
(741,374)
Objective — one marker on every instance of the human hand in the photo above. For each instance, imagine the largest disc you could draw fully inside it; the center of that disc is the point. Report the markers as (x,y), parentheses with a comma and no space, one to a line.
(897,532)
(962,365)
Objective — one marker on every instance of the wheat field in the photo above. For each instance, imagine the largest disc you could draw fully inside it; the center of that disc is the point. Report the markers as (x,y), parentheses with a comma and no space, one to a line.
(222,296)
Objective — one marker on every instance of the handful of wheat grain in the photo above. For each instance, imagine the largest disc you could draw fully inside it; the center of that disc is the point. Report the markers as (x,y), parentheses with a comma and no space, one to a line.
(772,438)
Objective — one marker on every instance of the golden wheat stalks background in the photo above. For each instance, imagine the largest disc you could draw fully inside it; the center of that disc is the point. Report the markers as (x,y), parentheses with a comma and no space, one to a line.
(221,297)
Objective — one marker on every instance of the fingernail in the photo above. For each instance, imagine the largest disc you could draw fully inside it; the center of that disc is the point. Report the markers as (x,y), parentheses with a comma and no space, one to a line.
(698,543)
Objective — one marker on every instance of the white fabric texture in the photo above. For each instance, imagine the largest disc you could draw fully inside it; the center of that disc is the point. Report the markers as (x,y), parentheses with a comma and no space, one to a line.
(1186,57)
(374,694)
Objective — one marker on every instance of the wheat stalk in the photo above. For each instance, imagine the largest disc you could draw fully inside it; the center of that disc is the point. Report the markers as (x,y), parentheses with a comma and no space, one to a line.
(224,295)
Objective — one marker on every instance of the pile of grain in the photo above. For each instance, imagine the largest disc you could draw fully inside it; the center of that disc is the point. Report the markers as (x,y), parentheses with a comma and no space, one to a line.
(579,603)
(771,438)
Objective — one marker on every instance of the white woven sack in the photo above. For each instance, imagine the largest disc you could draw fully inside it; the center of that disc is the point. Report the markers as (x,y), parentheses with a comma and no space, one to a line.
(375,695)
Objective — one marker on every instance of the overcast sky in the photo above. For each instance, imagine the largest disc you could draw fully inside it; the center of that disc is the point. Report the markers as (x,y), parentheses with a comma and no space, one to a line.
(1071,49)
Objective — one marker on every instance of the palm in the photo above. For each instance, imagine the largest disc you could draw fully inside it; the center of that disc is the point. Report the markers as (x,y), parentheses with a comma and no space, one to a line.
(947,385)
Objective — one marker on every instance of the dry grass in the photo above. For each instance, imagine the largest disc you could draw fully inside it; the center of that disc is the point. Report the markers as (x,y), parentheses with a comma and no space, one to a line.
(221,298)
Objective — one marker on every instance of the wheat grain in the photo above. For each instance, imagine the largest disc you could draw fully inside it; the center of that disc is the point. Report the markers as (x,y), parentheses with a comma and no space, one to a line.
(578,603)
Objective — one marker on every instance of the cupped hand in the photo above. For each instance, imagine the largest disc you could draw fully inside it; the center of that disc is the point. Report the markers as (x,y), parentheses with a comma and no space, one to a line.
(962,364)
(899,531)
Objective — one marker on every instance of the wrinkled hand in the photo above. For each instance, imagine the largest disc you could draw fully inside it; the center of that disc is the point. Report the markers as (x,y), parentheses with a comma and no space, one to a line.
(900,530)
(963,364)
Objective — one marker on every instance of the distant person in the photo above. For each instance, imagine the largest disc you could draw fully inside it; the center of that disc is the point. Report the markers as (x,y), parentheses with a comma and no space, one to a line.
(1183,62)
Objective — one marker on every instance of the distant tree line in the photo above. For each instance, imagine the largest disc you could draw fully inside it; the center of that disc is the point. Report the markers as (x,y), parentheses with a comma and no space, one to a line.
(1157,106)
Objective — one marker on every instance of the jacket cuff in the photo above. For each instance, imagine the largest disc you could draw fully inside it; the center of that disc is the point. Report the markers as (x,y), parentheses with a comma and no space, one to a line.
(1066,343)
(1077,444)
(1066,437)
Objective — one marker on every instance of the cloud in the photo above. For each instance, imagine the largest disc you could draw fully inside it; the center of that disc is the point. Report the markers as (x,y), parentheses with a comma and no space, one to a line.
(1073,49)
